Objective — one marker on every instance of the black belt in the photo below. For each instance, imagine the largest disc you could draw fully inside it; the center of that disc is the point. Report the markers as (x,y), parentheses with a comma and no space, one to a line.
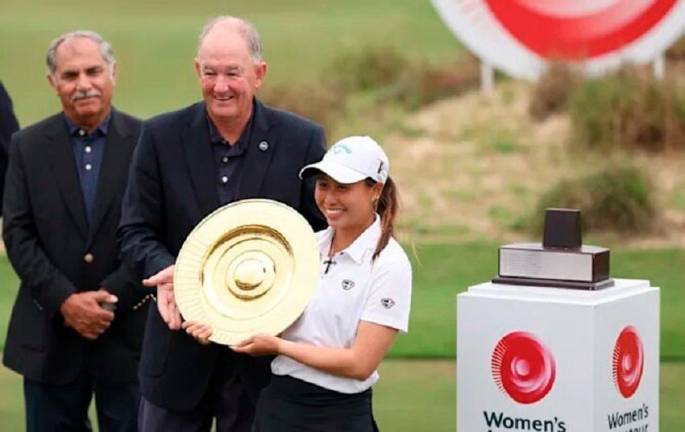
(298,389)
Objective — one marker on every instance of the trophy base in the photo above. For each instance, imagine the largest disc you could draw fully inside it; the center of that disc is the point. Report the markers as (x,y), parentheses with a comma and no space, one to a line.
(554,283)
(533,261)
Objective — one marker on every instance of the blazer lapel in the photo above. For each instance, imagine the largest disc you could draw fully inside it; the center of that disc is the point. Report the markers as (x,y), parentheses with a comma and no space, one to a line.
(258,157)
(66,177)
(200,159)
(114,165)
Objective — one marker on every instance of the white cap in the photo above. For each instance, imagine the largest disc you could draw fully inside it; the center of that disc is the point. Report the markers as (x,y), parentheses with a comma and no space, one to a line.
(353,159)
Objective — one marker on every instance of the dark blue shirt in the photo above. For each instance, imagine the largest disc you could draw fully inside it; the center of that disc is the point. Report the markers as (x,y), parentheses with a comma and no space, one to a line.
(88,151)
(228,160)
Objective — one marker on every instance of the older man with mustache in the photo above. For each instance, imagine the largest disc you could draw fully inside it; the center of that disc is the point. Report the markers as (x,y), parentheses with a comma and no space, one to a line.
(77,323)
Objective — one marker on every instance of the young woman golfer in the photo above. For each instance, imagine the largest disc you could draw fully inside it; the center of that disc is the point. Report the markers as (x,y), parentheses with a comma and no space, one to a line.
(326,361)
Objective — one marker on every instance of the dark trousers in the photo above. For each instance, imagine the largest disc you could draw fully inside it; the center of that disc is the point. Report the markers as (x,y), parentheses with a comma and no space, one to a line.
(226,401)
(65,407)
(288,404)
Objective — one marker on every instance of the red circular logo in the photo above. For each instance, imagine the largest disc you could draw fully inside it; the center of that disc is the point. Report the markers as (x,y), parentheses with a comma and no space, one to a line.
(628,361)
(578,29)
(523,367)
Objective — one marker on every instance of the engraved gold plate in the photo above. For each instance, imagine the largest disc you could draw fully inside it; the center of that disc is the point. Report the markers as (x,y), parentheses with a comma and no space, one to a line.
(249,267)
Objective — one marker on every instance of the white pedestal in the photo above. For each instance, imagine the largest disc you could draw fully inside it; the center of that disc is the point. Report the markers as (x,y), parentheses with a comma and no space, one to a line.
(558,360)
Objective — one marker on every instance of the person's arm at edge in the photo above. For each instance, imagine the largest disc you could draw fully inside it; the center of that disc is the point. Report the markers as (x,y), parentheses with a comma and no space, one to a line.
(8,125)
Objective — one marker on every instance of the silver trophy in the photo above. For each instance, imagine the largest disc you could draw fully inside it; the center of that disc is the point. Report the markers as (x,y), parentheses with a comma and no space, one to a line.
(560,261)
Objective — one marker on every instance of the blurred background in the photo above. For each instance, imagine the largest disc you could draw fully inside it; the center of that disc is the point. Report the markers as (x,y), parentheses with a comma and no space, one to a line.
(474,169)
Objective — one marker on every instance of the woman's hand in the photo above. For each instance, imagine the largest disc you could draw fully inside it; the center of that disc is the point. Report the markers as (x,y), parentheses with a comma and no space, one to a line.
(259,345)
(201,332)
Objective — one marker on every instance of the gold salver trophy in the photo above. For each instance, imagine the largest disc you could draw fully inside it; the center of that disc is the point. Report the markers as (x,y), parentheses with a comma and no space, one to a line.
(249,267)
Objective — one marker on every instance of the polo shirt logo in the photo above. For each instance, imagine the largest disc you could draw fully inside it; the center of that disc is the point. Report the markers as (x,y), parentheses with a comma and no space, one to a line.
(347,284)
(387,303)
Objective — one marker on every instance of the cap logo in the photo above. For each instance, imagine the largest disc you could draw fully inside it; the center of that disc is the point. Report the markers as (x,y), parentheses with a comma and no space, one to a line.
(339,148)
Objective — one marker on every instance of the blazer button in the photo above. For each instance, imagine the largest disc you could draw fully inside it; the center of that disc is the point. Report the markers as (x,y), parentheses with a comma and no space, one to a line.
(88,258)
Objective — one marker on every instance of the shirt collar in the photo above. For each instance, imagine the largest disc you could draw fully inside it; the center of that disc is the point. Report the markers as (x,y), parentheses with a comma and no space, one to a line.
(365,242)
(101,130)
(214,135)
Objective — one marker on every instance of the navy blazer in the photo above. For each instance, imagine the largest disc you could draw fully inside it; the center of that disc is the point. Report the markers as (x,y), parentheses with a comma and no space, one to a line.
(172,186)
(56,253)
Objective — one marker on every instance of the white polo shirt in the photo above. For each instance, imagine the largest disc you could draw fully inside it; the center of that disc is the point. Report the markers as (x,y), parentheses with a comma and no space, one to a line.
(353,289)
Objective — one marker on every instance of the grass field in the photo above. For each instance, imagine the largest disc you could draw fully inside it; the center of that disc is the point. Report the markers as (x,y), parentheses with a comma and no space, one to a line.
(442,271)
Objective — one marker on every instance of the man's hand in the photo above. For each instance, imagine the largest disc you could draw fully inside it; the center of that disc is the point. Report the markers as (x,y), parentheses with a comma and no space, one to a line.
(166,303)
(201,332)
(84,312)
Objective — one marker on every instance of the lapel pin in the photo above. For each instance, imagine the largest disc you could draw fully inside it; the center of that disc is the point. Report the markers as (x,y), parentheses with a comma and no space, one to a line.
(263,146)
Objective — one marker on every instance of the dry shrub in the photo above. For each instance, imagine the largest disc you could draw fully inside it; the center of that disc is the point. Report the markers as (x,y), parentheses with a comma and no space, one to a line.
(318,102)
(425,84)
(392,76)
(553,91)
(617,199)
(676,52)
(368,68)
(382,73)
(629,110)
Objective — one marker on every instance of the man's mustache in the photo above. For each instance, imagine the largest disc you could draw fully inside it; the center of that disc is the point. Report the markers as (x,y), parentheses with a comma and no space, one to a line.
(78,95)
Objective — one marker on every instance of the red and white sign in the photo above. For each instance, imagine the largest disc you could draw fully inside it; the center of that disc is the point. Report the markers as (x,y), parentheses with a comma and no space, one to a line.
(558,360)
(523,367)
(520,36)
(628,362)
